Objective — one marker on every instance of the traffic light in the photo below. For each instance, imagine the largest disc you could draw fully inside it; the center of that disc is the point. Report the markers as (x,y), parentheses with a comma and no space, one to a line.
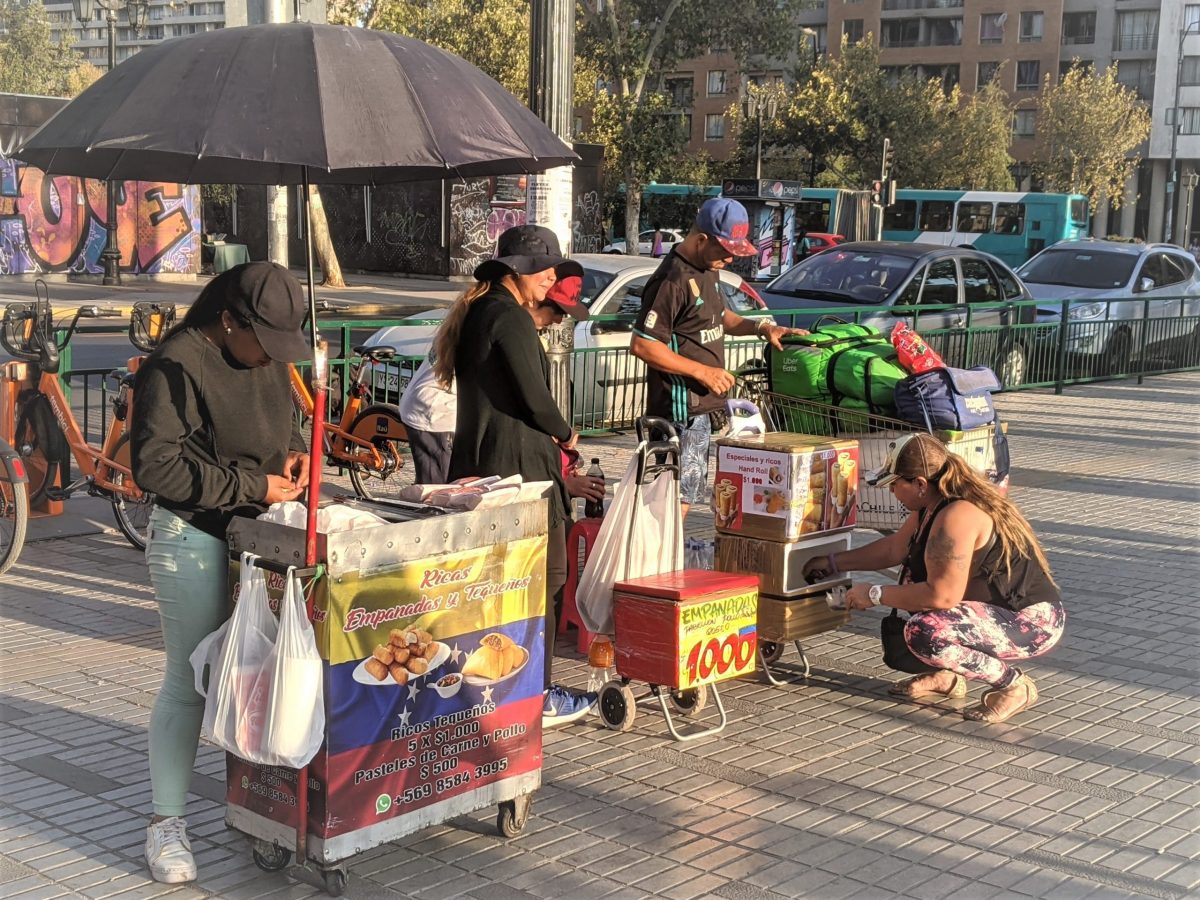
(889,156)
(877,192)
(890,199)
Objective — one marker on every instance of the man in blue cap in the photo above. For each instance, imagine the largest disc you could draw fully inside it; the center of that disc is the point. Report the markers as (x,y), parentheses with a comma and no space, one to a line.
(680,335)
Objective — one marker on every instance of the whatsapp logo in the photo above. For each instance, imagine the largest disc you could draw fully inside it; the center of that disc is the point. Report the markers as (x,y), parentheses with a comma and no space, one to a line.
(245,782)
(382,804)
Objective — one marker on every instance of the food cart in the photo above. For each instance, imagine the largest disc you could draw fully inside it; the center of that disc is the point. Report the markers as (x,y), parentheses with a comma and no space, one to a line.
(431,633)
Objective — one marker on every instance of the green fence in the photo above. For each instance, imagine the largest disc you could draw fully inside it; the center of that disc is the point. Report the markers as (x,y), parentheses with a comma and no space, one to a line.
(1022,342)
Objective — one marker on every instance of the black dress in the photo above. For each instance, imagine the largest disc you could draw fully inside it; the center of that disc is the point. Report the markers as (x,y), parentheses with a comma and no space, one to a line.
(506,414)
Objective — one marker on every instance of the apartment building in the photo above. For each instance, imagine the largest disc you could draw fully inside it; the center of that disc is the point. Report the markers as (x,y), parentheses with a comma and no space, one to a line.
(167,19)
(1016,43)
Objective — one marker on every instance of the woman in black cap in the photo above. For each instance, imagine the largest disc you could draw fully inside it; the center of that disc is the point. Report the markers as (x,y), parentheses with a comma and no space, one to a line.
(213,437)
(508,422)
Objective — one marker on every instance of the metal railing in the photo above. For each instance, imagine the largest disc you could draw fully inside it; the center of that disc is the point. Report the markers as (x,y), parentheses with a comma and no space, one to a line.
(1023,342)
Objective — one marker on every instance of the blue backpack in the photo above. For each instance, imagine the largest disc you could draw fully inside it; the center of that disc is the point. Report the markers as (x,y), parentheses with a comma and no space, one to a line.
(948,399)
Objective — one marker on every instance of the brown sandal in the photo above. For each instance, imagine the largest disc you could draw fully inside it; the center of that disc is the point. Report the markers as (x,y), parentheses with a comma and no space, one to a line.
(912,689)
(985,712)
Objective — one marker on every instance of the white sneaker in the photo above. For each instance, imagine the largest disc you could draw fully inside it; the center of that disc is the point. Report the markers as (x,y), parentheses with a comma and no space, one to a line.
(168,852)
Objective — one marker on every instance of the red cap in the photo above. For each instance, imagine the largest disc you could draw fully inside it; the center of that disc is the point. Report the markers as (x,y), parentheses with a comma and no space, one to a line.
(566,295)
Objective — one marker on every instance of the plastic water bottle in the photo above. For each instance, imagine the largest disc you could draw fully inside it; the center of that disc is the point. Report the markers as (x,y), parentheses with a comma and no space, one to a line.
(600,663)
(594,509)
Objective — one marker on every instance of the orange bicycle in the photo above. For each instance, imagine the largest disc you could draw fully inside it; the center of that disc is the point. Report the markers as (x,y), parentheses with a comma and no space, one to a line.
(369,438)
(44,432)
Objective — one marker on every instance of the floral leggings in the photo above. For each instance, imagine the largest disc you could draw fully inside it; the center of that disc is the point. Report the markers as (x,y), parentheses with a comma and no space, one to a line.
(976,640)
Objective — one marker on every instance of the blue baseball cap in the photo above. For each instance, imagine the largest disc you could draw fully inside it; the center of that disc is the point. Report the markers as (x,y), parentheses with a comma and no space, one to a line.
(726,220)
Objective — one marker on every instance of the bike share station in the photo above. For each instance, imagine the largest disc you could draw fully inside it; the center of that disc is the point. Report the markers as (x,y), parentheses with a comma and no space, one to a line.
(37,422)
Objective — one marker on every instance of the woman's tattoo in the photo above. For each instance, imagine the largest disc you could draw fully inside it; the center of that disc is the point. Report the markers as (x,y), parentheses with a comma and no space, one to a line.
(941,549)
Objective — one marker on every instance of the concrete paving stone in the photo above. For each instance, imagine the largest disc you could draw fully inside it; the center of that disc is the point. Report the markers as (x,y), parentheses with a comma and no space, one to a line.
(33,887)
(1186,876)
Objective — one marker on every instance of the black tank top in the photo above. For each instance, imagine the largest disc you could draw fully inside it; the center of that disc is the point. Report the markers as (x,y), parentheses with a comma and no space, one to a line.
(987,581)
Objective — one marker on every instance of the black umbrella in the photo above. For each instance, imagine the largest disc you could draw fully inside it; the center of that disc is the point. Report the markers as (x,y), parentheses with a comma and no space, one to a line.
(263,104)
(295,104)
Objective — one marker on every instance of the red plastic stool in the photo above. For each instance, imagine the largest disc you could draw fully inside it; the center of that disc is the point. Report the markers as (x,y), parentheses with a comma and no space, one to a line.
(584,531)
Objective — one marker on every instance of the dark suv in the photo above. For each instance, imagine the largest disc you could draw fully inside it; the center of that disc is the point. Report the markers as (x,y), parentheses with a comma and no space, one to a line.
(865,279)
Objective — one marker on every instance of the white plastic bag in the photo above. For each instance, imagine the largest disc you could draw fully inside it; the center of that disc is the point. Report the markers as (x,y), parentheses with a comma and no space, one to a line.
(235,701)
(264,700)
(642,535)
(296,717)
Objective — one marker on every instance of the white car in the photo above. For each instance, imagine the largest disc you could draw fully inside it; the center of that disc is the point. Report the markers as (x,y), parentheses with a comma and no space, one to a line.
(1114,291)
(608,383)
(670,237)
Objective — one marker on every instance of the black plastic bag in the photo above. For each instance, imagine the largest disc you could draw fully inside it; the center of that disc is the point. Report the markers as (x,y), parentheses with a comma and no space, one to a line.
(896,654)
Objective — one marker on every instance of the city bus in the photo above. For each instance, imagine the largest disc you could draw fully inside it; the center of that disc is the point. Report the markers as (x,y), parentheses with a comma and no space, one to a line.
(1009,224)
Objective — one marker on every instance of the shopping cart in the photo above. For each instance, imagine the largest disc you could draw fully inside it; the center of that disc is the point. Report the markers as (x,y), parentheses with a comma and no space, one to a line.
(877,508)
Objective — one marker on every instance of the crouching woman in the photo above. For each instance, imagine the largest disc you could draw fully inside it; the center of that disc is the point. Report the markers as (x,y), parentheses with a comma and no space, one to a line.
(973,577)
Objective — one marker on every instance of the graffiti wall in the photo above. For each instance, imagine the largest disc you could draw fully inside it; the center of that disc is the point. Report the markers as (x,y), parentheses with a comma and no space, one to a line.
(56,224)
(481,209)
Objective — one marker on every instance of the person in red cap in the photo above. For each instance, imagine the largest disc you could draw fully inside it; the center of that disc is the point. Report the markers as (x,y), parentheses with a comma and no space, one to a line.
(213,438)
(680,333)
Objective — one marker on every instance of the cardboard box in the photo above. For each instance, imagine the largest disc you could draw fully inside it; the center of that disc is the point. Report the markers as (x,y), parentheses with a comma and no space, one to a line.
(780,486)
(779,566)
(686,628)
(781,620)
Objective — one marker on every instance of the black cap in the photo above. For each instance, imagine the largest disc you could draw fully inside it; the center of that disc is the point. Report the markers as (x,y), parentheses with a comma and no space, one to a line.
(271,298)
(525,249)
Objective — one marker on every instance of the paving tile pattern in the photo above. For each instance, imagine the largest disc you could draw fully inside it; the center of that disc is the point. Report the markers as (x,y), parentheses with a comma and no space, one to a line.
(823,788)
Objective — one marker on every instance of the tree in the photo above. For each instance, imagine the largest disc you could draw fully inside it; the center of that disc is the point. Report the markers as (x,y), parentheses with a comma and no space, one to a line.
(30,61)
(630,43)
(837,113)
(490,34)
(1088,130)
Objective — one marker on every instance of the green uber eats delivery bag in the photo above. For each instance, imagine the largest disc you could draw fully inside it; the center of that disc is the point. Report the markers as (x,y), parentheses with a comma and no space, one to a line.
(843,364)
(869,373)
(801,369)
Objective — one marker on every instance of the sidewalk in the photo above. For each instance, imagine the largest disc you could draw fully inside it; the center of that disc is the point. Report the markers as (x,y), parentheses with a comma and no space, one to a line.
(367,295)
(825,788)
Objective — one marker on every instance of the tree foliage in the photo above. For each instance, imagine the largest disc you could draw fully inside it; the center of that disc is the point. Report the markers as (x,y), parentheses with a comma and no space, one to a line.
(30,61)
(490,34)
(839,111)
(1089,128)
(630,43)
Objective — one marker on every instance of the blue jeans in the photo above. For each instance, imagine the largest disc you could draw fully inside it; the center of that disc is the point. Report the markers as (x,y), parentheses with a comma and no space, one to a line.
(189,573)
(695,436)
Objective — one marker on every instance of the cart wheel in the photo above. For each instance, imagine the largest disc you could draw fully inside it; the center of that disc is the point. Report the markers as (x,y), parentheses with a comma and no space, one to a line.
(771,651)
(335,882)
(689,702)
(617,706)
(271,857)
(513,816)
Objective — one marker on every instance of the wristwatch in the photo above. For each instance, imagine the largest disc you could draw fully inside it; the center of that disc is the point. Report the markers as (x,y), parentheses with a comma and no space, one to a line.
(875,594)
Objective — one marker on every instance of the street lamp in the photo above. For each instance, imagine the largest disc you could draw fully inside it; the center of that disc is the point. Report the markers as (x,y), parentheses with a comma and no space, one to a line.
(755,106)
(812,159)
(136,10)
(1192,27)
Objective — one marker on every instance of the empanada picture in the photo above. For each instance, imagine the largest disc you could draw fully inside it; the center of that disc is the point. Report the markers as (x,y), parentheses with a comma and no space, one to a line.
(496,657)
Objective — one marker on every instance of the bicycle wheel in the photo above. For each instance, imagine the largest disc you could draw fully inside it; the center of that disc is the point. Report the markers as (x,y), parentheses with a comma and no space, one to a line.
(41,463)
(14,516)
(381,426)
(133,516)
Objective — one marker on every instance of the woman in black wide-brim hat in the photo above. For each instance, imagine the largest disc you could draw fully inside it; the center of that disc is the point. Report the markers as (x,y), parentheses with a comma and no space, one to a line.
(508,422)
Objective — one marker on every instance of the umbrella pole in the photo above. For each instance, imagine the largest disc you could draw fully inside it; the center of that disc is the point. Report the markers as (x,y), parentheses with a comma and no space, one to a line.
(317,452)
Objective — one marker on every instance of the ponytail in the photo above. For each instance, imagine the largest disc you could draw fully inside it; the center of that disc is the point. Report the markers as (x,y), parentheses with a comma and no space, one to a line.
(445,343)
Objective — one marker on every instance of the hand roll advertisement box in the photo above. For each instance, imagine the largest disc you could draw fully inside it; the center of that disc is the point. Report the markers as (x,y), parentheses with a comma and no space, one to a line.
(782,486)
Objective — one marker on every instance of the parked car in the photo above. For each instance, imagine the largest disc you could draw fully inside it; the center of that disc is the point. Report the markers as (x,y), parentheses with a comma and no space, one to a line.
(670,237)
(817,241)
(1108,284)
(608,387)
(874,276)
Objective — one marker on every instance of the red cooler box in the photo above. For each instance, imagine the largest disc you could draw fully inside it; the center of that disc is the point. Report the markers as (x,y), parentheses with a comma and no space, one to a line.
(686,628)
